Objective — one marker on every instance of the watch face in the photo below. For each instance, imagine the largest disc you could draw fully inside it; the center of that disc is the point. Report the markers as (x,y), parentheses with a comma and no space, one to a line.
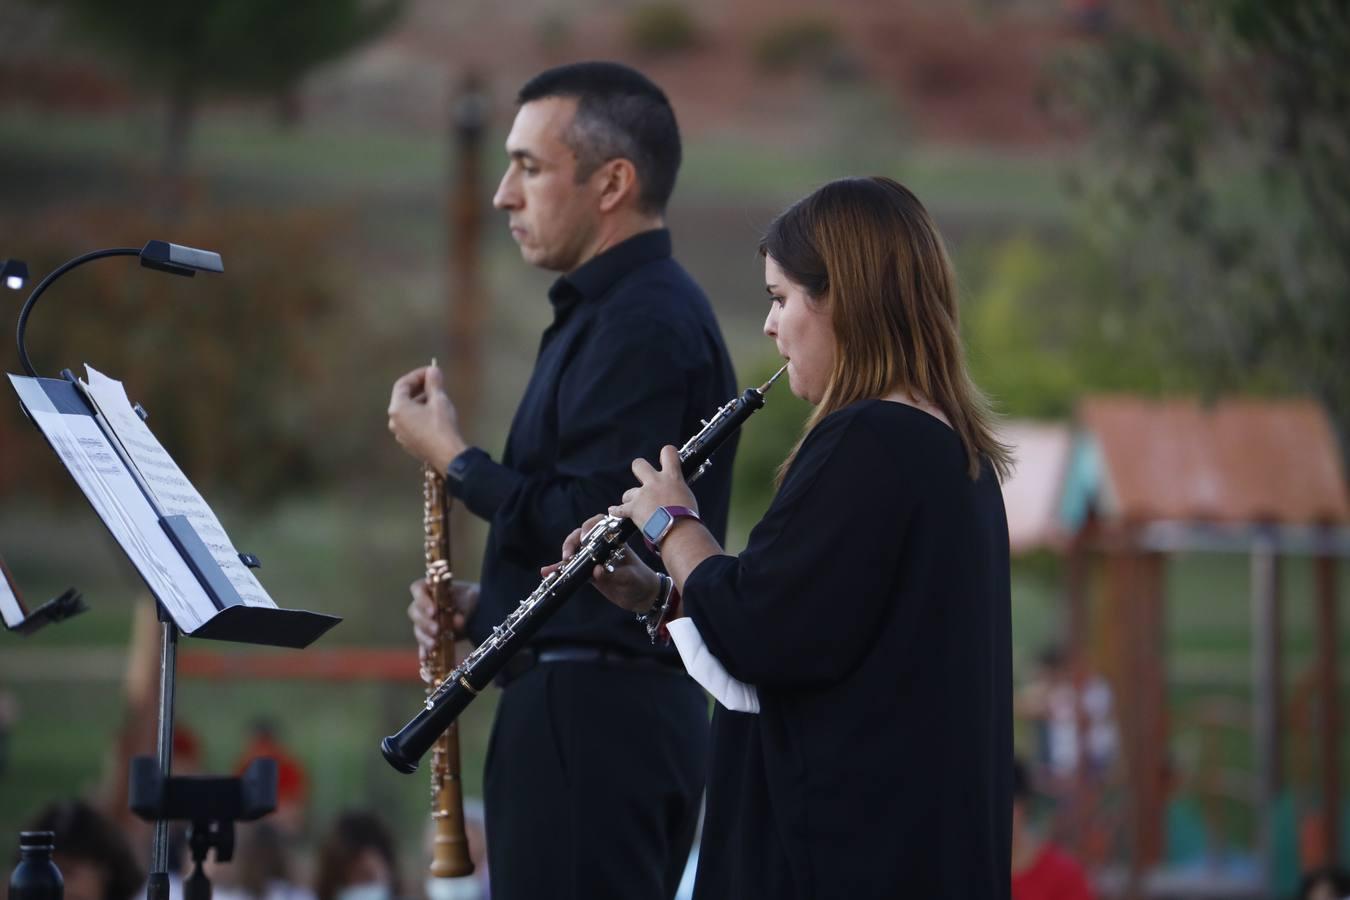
(656,526)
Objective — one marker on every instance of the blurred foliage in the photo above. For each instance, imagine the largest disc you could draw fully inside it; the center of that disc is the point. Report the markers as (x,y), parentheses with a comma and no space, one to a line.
(662,29)
(797,42)
(252,46)
(225,364)
(1244,276)
(1045,322)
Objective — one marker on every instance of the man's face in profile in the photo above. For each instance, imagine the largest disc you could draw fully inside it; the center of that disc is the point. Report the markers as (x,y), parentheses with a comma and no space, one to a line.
(552,217)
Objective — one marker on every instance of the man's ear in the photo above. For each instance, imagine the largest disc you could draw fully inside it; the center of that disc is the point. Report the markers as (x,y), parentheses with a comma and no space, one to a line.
(618,183)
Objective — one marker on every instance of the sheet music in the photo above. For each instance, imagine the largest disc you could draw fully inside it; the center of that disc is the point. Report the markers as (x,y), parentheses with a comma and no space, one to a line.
(171,489)
(115,495)
(10,608)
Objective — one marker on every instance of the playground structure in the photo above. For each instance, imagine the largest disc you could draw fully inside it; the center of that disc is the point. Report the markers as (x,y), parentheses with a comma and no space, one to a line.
(1147,480)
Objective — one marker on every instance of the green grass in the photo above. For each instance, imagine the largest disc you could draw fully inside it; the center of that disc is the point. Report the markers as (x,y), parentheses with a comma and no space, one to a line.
(234,143)
(242,148)
(952,181)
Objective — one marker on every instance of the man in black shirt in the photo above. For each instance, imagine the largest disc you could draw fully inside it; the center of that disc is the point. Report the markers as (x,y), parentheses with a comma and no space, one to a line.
(632,361)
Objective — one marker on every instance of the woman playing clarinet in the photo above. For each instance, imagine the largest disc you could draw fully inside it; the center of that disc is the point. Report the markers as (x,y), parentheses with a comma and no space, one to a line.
(859,649)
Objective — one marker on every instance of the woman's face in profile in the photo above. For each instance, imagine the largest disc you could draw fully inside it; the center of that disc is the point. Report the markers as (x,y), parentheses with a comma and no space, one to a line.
(801,329)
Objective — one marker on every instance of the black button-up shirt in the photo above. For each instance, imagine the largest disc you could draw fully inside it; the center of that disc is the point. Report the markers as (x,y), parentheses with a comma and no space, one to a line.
(633,361)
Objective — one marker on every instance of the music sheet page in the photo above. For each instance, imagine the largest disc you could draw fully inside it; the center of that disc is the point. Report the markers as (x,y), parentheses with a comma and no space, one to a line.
(112,490)
(171,489)
(10,609)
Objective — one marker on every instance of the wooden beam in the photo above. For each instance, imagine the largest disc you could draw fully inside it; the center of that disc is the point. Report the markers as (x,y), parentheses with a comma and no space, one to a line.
(1151,641)
(1121,570)
(1076,600)
(315,664)
(1266,693)
(1329,691)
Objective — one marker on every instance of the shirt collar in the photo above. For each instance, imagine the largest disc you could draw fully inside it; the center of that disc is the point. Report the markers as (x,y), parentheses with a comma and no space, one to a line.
(593,278)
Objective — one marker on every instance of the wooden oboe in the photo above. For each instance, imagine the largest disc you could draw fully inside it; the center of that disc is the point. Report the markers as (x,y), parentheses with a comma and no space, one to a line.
(450,845)
(602,545)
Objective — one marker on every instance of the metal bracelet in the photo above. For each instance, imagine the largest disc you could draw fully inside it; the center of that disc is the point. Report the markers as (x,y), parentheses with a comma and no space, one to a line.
(653,617)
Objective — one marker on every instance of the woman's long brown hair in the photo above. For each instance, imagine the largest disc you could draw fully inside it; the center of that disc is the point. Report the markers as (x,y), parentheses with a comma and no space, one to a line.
(869,251)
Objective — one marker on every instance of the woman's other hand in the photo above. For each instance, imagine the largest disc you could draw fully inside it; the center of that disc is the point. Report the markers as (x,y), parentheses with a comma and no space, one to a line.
(632,585)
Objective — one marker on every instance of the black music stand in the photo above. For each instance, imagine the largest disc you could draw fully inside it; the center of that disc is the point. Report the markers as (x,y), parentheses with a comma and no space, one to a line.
(189,584)
(16,616)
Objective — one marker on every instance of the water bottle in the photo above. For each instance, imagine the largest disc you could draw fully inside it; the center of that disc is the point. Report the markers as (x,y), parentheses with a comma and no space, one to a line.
(36,877)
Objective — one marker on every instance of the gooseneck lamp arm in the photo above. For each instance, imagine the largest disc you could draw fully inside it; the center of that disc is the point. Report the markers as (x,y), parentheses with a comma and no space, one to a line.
(42,286)
(173,258)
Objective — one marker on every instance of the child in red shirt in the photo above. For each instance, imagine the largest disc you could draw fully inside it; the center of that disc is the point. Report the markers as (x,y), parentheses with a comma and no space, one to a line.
(1040,870)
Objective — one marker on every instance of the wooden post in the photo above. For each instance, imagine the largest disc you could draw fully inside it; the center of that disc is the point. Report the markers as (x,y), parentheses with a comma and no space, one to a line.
(1076,571)
(466,306)
(1136,592)
(1156,725)
(1124,611)
(1265,691)
(1329,691)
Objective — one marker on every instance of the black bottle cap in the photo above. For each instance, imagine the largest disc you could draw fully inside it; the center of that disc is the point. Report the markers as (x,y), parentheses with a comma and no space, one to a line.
(37,839)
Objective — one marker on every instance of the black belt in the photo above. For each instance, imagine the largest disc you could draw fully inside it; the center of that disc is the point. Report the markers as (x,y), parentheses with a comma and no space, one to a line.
(529,657)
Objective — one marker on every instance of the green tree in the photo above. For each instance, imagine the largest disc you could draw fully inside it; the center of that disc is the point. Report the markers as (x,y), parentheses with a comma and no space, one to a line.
(1220,184)
(1045,322)
(188,50)
(246,376)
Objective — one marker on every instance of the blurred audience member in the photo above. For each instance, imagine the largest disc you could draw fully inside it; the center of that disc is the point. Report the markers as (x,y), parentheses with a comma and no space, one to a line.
(1050,701)
(1040,870)
(9,711)
(1329,883)
(187,750)
(292,782)
(92,854)
(261,868)
(357,860)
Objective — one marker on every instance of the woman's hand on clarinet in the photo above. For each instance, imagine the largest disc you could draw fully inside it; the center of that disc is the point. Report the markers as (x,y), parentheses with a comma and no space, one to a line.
(422,612)
(632,585)
(656,488)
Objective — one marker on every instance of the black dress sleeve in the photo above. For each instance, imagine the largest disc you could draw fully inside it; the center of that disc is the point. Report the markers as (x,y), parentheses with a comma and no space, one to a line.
(621,397)
(801,606)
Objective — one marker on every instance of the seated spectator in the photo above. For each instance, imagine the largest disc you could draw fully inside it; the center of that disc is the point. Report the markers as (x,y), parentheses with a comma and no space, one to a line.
(357,860)
(1051,701)
(1040,870)
(92,854)
(292,780)
(1328,883)
(261,868)
(9,711)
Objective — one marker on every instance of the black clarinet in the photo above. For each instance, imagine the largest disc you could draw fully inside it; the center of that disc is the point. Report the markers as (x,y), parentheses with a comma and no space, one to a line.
(603,544)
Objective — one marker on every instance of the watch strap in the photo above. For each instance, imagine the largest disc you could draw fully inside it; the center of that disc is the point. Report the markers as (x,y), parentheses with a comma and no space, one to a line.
(675,513)
(459,467)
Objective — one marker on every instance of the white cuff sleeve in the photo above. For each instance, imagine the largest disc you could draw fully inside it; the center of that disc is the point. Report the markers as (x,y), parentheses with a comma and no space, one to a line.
(705,668)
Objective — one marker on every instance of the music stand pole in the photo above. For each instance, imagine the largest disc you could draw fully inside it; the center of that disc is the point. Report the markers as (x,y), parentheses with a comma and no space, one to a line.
(157,886)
